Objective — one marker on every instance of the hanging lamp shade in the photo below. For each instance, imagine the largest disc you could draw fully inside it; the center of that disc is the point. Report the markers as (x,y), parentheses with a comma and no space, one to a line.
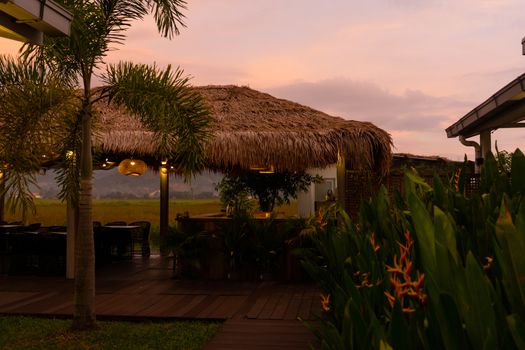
(133,167)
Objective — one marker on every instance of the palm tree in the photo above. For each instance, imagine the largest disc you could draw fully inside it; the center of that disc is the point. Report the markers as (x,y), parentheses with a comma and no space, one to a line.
(161,99)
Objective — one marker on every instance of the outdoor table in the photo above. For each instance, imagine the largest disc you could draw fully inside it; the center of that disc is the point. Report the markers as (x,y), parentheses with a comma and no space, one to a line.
(8,227)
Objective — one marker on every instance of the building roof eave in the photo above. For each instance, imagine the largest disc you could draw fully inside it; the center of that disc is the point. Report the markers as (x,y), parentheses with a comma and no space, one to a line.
(500,109)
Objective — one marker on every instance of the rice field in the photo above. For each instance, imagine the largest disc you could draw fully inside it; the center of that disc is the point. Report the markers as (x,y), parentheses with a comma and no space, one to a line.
(53,212)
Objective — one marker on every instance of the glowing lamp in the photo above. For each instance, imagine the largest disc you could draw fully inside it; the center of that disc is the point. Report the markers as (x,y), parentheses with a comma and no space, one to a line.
(133,167)
(107,164)
(268,169)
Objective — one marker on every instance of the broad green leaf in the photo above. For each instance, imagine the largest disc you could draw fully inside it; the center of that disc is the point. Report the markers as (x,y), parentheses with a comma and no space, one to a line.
(450,323)
(445,234)
(517,329)
(480,320)
(416,179)
(383,345)
(399,332)
(424,232)
(511,256)
(518,172)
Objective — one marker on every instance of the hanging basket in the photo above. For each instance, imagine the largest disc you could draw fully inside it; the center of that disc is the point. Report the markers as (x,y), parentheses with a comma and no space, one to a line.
(133,167)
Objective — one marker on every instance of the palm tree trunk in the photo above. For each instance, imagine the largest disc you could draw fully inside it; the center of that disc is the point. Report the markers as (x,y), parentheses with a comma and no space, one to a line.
(84,315)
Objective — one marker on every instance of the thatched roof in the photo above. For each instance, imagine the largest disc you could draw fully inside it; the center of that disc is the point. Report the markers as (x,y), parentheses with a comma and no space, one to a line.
(254,128)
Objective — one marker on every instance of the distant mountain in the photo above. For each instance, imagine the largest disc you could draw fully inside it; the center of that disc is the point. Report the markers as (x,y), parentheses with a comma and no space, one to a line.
(112,184)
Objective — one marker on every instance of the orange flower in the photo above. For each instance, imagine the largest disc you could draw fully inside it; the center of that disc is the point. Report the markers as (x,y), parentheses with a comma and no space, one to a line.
(373,242)
(488,264)
(325,302)
(455,181)
(401,280)
(320,220)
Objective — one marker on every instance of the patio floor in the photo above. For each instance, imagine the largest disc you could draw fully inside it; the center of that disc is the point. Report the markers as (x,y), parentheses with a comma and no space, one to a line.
(258,315)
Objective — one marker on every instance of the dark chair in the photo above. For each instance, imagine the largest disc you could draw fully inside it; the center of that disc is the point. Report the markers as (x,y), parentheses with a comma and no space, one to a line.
(32,227)
(2,222)
(141,236)
(52,253)
(23,253)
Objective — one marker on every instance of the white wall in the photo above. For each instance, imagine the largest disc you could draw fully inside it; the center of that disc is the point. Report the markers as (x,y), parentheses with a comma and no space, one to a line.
(306,200)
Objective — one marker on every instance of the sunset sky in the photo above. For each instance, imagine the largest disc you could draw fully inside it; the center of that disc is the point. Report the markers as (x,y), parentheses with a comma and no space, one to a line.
(412,67)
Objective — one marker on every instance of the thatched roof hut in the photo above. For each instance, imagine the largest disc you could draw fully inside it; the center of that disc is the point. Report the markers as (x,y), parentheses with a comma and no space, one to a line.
(254,128)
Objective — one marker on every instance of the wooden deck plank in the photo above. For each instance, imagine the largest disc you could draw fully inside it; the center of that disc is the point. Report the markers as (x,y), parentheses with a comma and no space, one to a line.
(282,305)
(259,315)
(22,306)
(7,298)
(257,307)
(271,304)
(295,302)
(230,306)
(162,304)
(128,305)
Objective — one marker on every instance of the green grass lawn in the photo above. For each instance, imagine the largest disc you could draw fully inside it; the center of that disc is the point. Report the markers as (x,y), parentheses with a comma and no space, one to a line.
(38,333)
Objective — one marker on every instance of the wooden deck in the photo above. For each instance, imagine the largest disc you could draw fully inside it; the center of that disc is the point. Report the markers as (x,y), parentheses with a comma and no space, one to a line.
(258,315)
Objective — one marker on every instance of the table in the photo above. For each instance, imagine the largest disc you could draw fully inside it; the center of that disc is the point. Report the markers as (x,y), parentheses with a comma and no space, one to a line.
(33,252)
(8,227)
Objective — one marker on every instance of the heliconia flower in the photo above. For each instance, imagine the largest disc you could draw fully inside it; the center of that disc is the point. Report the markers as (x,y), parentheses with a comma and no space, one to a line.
(320,220)
(401,278)
(325,302)
(488,263)
(373,242)
(455,181)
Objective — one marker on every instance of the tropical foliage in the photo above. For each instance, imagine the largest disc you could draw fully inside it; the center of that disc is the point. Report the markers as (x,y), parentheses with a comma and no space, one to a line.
(428,269)
(269,189)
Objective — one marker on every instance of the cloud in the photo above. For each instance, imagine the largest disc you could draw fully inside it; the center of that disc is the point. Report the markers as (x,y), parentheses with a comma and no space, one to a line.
(416,120)
(411,111)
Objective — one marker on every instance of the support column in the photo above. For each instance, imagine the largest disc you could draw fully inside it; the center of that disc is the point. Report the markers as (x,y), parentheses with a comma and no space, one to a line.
(2,189)
(164,202)
(72,222)
(341,180)
(485,142)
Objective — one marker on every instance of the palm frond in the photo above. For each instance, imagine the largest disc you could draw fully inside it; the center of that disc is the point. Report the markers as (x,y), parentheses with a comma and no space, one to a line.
(166,105)
(34,105)
(17,192)
(168,16)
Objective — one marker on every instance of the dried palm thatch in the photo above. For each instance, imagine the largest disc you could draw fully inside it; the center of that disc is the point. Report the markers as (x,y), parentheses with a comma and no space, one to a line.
(254,128)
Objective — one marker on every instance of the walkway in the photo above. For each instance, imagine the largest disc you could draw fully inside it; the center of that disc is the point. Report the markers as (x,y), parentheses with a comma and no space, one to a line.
(258,315)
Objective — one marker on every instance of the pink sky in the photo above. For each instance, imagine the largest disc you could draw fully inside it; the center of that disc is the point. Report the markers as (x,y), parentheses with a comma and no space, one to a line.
(411,67)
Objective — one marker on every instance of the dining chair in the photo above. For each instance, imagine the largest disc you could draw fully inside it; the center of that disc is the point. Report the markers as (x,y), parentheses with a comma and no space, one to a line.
(141,236)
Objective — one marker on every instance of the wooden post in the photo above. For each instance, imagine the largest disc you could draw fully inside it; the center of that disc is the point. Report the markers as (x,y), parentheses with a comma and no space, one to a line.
(485,143)
(2,189)
(72,220)
(164,203)
(341,180)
